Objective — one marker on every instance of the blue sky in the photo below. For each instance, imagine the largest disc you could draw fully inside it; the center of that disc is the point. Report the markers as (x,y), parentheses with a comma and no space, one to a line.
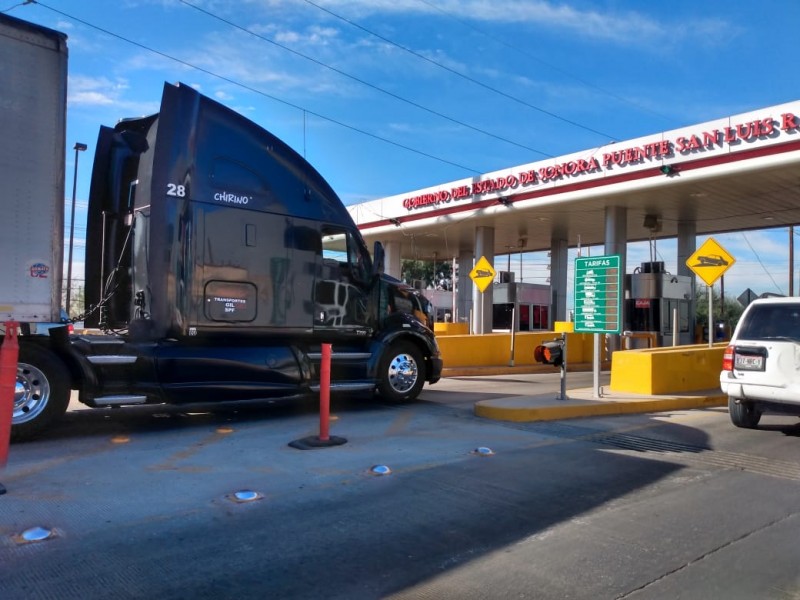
(388,96)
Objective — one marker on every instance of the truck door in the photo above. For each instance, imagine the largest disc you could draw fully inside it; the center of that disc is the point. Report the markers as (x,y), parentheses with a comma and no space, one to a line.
(341,289)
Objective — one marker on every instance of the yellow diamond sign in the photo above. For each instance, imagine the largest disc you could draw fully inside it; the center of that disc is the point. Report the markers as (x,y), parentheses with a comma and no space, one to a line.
(710,261)
(483,274)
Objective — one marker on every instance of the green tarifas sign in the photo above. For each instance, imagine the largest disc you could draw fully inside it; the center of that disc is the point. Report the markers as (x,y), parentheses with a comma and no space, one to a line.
(598,289)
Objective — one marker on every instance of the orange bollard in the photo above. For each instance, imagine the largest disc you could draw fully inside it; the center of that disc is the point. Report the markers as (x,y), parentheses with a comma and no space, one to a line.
(325,393)
(9,354)
(324,439)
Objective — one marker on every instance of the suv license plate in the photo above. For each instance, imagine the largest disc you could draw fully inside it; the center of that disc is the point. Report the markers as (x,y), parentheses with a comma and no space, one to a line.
(749,362)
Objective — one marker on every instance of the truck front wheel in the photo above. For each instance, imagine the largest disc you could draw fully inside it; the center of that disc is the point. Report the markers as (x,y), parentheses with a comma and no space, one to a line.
(41,395)
(402,373)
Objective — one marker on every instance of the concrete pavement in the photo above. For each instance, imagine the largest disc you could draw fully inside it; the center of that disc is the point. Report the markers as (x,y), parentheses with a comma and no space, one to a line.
(212,501)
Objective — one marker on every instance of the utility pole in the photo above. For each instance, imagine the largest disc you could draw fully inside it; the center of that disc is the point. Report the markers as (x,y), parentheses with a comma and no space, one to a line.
(791,260)
(78,148)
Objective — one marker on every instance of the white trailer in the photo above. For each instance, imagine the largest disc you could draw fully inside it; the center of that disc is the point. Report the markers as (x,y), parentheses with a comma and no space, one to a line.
(33,98)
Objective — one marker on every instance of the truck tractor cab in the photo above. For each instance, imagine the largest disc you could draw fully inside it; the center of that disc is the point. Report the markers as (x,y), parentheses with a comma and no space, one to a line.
(218,261)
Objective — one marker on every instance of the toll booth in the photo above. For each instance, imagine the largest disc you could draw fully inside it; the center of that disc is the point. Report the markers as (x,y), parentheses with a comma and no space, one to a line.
(527,303)
(653,300)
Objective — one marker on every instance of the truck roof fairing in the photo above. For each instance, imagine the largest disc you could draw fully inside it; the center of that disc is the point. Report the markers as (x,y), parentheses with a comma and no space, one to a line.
(193,159)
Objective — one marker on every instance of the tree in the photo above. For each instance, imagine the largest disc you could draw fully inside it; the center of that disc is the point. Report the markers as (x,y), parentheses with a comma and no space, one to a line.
(78,300)
(730,312)
(423,270)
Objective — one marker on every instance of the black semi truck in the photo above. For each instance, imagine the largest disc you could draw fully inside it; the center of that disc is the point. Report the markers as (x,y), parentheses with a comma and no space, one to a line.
(218,261)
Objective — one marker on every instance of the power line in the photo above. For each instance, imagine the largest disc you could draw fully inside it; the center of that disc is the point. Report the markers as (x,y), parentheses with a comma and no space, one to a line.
(363,82)
(13,6)
(758,258)
(255,91)
(459,74)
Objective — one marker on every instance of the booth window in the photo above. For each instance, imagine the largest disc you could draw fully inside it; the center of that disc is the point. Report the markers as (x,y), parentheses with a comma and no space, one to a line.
(524,317)
(541,314)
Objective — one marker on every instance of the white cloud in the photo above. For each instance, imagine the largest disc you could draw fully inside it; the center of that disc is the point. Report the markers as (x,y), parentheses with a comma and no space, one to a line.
(288,37)
(63,25)
(624,28)
(88,98)
(94,91)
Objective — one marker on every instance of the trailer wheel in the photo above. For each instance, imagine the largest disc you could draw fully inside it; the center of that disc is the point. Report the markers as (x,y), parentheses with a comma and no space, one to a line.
(41,395)
(402,373)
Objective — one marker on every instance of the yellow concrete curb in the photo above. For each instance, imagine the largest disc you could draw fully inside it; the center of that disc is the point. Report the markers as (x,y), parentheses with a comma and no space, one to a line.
(594,408)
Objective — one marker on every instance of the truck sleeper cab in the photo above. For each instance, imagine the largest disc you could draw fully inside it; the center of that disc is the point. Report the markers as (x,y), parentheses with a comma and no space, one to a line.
(218,261)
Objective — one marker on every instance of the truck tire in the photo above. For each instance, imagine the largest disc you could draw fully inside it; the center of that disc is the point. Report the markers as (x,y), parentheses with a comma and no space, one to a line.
(401,374)
(743,414)
(42,392)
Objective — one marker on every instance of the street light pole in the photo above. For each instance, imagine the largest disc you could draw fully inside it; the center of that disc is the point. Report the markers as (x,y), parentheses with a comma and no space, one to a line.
(78,148)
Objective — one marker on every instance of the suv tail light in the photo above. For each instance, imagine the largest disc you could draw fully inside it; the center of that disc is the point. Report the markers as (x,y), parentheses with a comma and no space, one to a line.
(727,359)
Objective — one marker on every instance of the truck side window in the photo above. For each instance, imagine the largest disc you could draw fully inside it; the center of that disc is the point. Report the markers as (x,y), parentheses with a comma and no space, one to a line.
(402,301)
(352,257)
(357,260)
(341,290)
(334,245)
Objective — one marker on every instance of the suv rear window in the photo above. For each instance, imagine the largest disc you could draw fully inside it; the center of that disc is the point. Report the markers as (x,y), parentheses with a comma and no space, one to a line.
(771,321)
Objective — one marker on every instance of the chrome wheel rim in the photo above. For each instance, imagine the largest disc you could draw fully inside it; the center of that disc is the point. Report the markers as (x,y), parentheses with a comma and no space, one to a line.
(403,373)
(31,393)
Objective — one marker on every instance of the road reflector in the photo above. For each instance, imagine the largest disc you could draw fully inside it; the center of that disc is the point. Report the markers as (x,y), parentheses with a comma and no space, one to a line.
(33,535)
(483,451)
(243,496)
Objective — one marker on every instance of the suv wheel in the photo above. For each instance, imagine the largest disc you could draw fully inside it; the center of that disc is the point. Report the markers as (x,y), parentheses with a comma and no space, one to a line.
(743,414)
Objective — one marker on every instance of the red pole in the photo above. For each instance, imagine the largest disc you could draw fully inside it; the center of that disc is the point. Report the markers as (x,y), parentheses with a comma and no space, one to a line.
(9,354)
(325,393)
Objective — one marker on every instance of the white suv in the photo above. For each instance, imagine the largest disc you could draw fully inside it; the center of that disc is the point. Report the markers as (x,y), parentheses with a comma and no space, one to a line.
(761,366)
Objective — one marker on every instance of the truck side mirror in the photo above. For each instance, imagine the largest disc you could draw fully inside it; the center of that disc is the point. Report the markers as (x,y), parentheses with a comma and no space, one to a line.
(378,256)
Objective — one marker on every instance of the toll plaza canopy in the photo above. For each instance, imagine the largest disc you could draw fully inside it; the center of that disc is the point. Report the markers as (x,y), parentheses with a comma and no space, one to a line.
(735,173)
